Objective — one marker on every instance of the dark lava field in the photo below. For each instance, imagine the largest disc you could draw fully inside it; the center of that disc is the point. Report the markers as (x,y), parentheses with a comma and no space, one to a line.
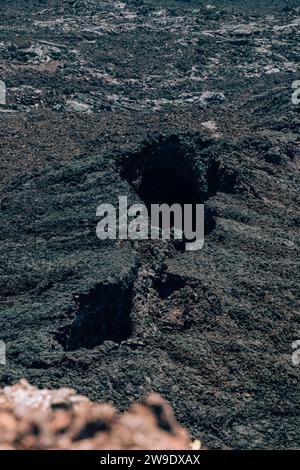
(102,98)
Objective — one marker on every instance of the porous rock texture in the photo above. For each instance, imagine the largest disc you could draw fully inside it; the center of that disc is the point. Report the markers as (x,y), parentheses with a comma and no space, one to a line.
(33,419)
(103,98)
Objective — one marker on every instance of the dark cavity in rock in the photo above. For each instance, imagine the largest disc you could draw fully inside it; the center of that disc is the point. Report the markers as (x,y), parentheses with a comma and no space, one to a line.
(102,314)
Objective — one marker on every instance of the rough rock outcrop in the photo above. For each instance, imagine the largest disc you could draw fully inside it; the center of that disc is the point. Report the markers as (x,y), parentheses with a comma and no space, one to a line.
(60,419)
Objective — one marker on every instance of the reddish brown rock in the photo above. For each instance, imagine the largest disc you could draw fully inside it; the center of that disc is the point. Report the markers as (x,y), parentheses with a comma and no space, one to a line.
(60,419)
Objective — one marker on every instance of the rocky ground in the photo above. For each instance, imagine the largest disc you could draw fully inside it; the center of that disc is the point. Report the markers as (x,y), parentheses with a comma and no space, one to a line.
(32,419)
(101,98)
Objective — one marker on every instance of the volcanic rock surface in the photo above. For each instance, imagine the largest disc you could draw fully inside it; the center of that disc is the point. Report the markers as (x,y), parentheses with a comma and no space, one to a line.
(103,97)
(33,419)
